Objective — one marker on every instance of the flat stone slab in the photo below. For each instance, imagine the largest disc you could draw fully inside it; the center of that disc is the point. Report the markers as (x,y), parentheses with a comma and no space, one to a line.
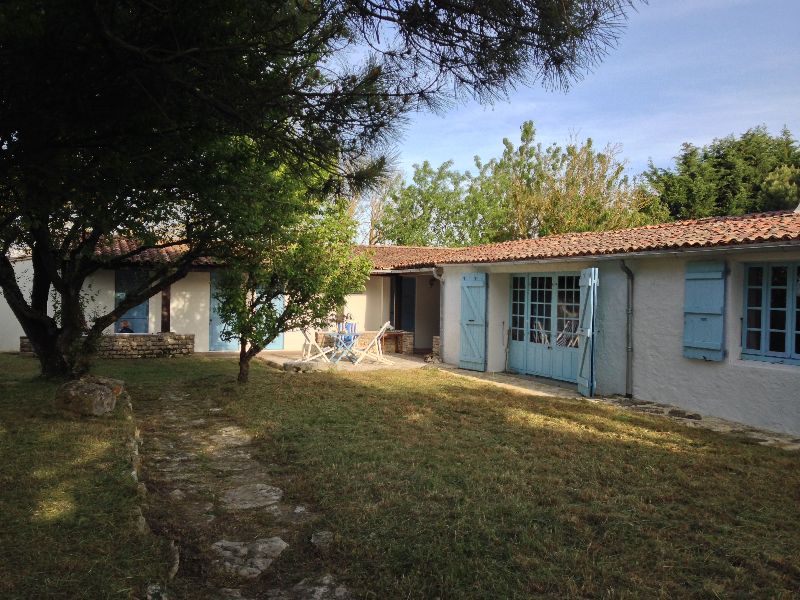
(319,588)
(252,495)
(322,539)
(248,560)
(231,436)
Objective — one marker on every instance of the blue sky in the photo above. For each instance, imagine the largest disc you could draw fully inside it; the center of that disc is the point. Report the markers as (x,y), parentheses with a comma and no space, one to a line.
(683,71)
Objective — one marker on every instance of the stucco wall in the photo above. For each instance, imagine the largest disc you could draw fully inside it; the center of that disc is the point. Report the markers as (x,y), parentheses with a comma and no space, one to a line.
(378,294)
(100,288)
(10,329)
(189,307)
(98,291)
(757,393)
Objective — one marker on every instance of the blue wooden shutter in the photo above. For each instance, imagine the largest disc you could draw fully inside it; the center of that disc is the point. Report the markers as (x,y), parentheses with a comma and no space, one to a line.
(586,331)
(472,353)
(704,311)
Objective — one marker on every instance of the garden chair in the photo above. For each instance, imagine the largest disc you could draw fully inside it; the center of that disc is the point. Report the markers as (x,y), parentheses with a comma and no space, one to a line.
(345,343)
(373,349)
(312,350)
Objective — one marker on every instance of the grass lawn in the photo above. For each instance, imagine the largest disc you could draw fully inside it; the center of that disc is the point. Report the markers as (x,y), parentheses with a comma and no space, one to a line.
(436,487)
(67,528)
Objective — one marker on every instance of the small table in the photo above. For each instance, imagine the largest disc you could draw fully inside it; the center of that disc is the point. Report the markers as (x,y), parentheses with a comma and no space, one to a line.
(344,345)
(398,340)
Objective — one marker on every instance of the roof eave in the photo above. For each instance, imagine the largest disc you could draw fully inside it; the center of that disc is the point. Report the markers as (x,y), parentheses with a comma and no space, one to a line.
(786,244)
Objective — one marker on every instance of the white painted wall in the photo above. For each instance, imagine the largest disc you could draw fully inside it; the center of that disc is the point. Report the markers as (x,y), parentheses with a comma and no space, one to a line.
(760,394)
(189,307)
(10,329)
(378,297)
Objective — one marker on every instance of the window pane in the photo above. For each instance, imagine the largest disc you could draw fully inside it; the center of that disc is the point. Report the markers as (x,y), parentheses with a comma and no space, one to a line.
(777,341)
(777,319)
(754,340)
(777,298)
(755,276)
(754,319)
(754,297)
(779,275)
(567,310)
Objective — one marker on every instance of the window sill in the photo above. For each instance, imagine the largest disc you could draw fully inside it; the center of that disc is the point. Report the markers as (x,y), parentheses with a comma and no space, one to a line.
(770,361)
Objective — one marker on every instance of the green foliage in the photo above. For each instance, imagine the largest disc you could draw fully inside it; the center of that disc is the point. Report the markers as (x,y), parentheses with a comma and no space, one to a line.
(529,191)
(130,118)
(293,278)
(430,211)
(755,172)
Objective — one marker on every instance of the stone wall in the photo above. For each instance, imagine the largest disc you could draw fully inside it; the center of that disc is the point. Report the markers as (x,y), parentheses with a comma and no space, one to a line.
(436,345)
(135,345)
(393,342)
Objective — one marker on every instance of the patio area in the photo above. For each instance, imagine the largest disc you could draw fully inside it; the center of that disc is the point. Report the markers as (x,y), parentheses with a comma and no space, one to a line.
(292,362)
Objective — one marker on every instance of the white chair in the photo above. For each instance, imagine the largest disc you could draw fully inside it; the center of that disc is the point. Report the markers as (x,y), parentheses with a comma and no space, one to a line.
(373,349)
(312,350)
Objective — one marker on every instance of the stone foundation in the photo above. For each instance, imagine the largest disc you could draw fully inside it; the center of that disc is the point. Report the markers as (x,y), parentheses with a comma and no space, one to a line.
(436,346)
(398,342)
(135,345)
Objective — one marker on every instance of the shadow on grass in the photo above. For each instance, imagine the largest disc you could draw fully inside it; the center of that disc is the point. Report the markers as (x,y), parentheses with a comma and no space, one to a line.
(67,526)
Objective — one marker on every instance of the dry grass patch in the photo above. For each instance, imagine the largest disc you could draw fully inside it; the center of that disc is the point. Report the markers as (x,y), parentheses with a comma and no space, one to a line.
(442,487)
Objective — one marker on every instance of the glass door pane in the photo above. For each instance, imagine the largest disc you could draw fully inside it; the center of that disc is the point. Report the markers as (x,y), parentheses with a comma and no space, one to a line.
(518,309)
(567,311)
(541,309)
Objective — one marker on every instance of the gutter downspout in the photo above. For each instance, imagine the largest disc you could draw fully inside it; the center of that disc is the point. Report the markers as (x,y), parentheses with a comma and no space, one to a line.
(440,279)
(628,332)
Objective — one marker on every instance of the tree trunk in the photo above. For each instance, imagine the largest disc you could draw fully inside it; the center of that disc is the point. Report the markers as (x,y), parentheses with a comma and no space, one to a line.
(244,363)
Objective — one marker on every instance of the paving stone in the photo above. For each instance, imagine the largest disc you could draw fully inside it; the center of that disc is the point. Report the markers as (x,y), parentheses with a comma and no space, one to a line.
(322,539)
(319,588)
(231,436)
(252,495)
(248,560)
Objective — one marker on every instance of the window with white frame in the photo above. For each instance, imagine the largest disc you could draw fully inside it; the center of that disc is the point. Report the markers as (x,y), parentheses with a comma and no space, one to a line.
(771,320)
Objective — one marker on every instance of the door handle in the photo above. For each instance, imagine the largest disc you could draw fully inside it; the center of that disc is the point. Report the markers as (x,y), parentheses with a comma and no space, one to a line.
(470,320)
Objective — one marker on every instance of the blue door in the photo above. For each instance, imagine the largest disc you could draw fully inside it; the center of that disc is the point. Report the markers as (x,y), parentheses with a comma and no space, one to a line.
(544,325)
(586,332)
(472,354)
(216,326)
(125,281)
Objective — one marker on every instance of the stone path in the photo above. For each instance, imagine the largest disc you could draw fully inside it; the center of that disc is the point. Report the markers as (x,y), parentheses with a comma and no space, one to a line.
(207,491)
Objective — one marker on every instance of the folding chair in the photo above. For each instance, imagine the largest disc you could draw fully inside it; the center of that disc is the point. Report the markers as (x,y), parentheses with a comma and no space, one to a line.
(375,344)
(312,350)
(345,343)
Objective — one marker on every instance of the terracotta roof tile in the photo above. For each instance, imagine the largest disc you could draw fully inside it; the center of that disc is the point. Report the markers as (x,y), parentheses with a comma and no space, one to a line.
(697,233)
(387,258)
(119,246)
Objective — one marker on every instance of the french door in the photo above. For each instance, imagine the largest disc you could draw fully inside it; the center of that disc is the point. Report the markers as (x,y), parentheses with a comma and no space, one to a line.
(545,313)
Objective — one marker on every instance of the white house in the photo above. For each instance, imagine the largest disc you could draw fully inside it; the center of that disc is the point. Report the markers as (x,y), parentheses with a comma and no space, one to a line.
(401,289)
(702,314)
